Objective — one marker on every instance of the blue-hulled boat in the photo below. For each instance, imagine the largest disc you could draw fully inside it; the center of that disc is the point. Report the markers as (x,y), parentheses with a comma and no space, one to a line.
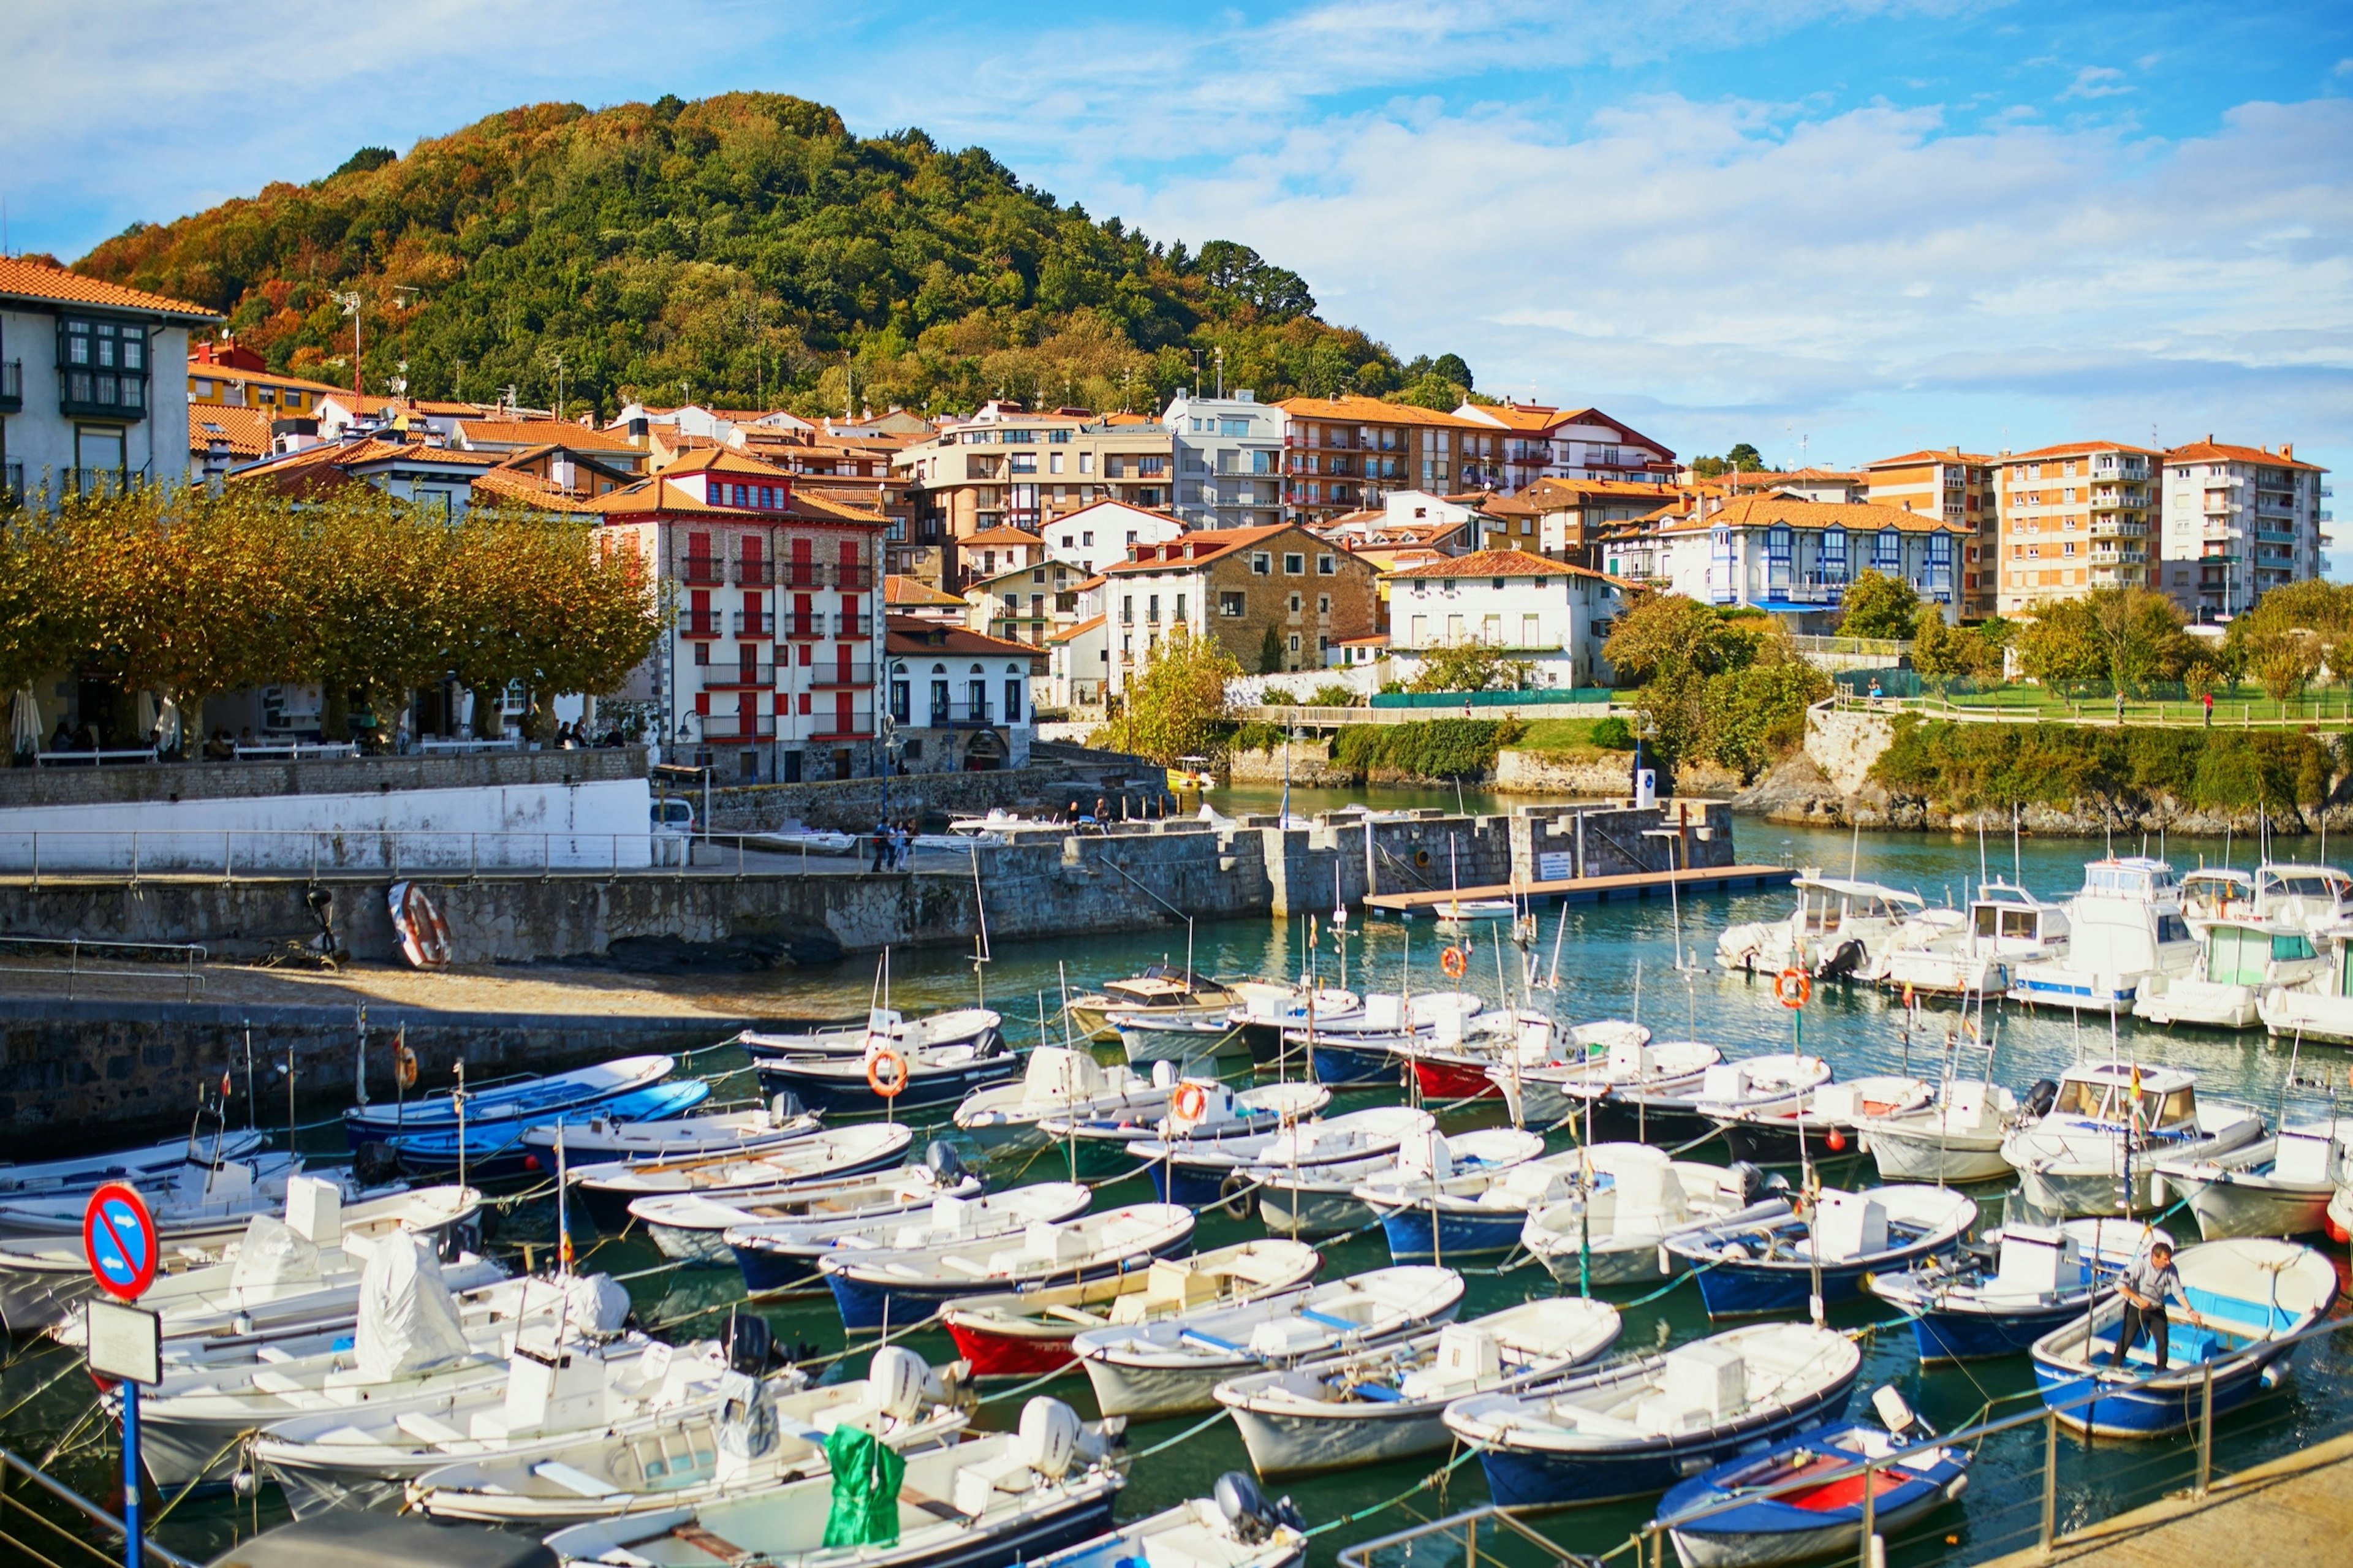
(1641,1426)
(2038,1279)
(1774,1265)
(783,1256)
(497,1149)
(1789,1517)
(1184,1170)
(526,1102)
(1473,1215)
(2249,1292)
(1368,1047)
(841,1085)
(1367,1059)
(904,1288)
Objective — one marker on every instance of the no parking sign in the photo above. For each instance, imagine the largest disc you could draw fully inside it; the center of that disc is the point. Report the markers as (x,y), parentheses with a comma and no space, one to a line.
(118,1237)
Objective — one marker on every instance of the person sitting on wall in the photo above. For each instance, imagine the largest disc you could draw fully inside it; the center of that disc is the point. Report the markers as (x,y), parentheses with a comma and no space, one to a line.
(218,748)
(63,740)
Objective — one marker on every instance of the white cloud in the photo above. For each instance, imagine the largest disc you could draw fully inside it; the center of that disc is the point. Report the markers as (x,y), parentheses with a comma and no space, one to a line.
(2097,81)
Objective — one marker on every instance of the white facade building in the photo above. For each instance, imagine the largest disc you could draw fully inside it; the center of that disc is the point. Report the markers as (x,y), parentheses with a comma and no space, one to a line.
(2238,522)
(1552,614)
(1101,533)
(1544,443)
(1796,557)
(1228,453)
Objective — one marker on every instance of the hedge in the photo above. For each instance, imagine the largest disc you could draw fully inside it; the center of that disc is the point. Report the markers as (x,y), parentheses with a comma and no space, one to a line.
(1966,767)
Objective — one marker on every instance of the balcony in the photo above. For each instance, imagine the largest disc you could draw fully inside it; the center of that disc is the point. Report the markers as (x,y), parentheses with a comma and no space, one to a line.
(12,386)
(756,573)
(804,628)
(102,395)
(853,579)
(962,715)
(722,677)
(702,625)
(702,571)
(838,676)
(754,624)
(719,728)
(848,623)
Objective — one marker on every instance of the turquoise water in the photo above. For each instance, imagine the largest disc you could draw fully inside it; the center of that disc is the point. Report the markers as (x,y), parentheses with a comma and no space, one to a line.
(1617,959)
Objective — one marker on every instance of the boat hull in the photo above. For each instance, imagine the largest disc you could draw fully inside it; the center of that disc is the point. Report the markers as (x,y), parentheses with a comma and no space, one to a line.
(1922,1157)
(843,1094)
(1738,1288)
(997,1353)
(870,1304)
(1285,1444)
(1418,1234)
(1451,1079)
(2150,1411)
(1337,1062)
(1309,1213)
(1941,1334)
(1537,1477)
(2244,1208)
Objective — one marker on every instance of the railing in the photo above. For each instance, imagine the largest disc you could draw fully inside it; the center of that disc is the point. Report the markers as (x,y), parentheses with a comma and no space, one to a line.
(960,715)
(851,625)
(737,728)
(1890,648)
(110,960)
(12,481)
(232,855)
(92,1512)
(435,746)
(755,624)
(756,573)
(702,573)
(721,677)
(705,624)
(859,672)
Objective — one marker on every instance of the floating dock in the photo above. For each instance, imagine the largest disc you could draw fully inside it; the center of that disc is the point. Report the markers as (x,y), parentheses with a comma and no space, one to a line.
(1591,890)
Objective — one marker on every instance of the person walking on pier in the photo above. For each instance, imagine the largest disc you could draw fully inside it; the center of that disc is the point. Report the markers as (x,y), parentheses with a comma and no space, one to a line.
(881,843)
(2145,1285)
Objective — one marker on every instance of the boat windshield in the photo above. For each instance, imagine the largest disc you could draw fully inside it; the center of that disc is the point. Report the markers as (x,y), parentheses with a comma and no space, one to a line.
(1996,920)
(2079,1096)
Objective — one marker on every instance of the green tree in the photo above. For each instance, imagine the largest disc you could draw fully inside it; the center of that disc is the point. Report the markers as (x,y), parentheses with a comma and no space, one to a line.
(1471,667)
(1879,606)
(1940,652)
(1663,633)
(1756,715)
(2284,667)
(1269,653)
(1177,705)
(1744,457)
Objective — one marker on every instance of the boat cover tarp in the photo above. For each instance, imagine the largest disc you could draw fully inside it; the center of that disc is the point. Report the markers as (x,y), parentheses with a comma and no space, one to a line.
(407,1319)
(274,1253)
(866,1476)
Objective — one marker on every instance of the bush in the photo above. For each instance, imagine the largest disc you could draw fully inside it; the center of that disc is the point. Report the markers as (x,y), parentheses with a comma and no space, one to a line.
(1967,767)
(1434,748)
(1278,697)
(1335,696)
(1613,734)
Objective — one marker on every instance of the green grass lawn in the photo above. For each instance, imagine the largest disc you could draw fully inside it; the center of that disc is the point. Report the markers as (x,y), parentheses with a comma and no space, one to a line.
(2237,705)
(1562,737)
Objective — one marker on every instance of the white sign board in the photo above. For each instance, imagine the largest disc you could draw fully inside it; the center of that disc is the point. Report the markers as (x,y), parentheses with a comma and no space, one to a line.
(126,1342)
(1555,865)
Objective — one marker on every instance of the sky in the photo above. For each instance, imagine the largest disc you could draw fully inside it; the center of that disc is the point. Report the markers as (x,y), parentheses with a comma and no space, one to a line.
(1837,230)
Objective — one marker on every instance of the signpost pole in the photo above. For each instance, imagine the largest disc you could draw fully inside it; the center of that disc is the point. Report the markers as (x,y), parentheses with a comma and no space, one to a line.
(132,1537)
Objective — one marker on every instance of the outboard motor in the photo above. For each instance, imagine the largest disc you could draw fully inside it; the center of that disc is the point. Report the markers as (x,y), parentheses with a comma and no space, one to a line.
(989,1042)
(455,1241)
(900,1382)
(373,1164)
(1842,962)
(1244,1508)
(945,1164)
(1748,1183)
(2041,1099)
(748,1345)
(786,1105)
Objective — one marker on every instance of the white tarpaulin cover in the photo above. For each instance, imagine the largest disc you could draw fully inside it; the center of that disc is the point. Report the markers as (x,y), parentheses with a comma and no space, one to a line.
(596,1304)
(24,720)
(273,1254)
(407,1319)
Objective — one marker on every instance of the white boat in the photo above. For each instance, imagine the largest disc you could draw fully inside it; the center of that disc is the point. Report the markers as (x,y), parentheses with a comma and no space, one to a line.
(609,1189)
(1547,1097)
(197,1201)
(1684,1114)
(1641,1197)
(2008,926)
(1063,1084)
(1188,1171)
(754,1438)
(1158,988)
(692,1227)
(1372,1407)
(1835,930)
(2216,892)
(909,1287)
(1322,1200)
(2237,961)
(2340,1212)
(2305,897)
(2279,1186)
(784,1255)
(883,1026)
(1187,1041)
(2096,1149)
(140,1167)
(1237,1527)
(1747,1267)
(1009,1497)
(1997,1297)
(1815,1123)
(1932,929)
(1433,1216)
(1148,1371)
(2321,1009)
(599,1140)
(1956,1139)
(1223,1112)
(2123,927)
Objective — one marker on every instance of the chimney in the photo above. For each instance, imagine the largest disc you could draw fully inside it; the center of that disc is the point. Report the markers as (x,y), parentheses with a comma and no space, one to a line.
(640,430)
(2287,449)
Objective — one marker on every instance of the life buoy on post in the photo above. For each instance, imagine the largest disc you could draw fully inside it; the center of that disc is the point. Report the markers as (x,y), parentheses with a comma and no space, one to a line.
(1453,962)
(1793,987)
(1191,1100)
(404,1066)
(897,1083)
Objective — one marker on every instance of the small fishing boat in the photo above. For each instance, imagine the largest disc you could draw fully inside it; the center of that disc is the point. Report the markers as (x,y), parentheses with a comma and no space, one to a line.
(1236,1528)
(1774,1265)
(493,1149)
(1189,1042)
(1957,1139)
(523,1101)
(1372,1407)
(882,1025)
(1064,1085)
(191,1202)
(691,1226)
(1816,1123)
(1795,1503)
(1639,1198)
(1683,1115)
(1430,1219)
(2008,926)
(2123,927)
(760,1434)
(1159,988)
(1149,1370)
(603,1139)
(1324,1200)
(140,1167)
(1264,1009)
(1997,1296)
(1195,1172)
(1006,1497)
(2278,1185)
(1027,1333)
(927,1076)
(2248,1293)
(1834,933)
(1224,1112)
(2096,1149)
(1561,1096)
(1457,1070)
(1368,1046)
(2238,962)
(909,1287)
(1643,1426)
(607,1191)
(780,1256)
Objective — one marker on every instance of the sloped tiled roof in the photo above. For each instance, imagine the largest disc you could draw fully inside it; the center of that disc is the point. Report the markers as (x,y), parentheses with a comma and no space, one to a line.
(1952,455)
(1790,511)
(22,279)
(911,635)
(899,589)
(1199,546)
(1497,563)
(247,430)
(2080,448)
(2212,451)
(540,432)
(515,485)
(1003,534)
(1373,411)
(1079,630)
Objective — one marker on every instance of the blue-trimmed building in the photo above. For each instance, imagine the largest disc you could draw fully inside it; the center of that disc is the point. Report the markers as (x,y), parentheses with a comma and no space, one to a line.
(1782,553)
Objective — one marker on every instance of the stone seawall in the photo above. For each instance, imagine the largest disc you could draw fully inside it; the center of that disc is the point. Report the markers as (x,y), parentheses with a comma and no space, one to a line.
(1059,776)
(339,775)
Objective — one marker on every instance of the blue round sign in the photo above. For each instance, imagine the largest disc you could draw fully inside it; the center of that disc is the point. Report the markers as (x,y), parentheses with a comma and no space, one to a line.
(119,1238)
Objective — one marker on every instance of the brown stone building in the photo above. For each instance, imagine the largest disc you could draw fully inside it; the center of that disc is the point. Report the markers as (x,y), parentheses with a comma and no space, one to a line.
(1238,586)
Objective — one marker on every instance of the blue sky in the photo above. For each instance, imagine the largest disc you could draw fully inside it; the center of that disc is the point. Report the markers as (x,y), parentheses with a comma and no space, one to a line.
(1836,228)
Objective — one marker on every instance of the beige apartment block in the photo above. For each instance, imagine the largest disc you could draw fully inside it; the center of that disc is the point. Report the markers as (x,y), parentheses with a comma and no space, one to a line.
(2074,518)
(1957,488)
(1341,454)
(2238,522)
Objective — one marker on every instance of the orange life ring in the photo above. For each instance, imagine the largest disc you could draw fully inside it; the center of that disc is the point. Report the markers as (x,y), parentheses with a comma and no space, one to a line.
(404,1066)
(1191,1100)
(1453,962)
(897,1084)
(1793,987)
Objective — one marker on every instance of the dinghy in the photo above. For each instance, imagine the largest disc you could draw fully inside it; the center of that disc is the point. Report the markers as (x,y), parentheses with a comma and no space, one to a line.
(139,1167)
(692,1227)
(1061,1085)
(1372,1407)
(905,1288)
(1815,1123)
(495,1149)
(755,1438)
(853,1086)
(1643,1426)
(1223,1112)
(1237,1527)
(607,1190)
(2249,1293)
(523,1101)
(602,1139)
(1150,1371)
(1775,1265)
(779,1256)
(1682,1115)
(1158,988)
(1563,1095)
(1957,1139)
(1429,1216)
(1009,1497)
(2096,1149)
(1797,1501)
(1639,1198)
(886,1026)
(2278,1185)
(1027,1333)
(1325,1200)
(2039,1278)
(1191,1172)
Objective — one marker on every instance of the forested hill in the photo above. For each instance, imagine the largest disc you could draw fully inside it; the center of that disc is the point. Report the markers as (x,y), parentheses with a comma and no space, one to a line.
(741,250)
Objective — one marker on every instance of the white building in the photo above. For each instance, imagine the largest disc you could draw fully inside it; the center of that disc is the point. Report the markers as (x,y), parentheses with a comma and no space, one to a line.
(1543,442)
(1552,614)
(81,402)
(1795,557)
(1102,532)
(1228,453)
(2238,522)
(957,702)
(1077,663)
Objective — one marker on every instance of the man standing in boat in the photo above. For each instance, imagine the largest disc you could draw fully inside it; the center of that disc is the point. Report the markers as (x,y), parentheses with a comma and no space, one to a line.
(2145,1284)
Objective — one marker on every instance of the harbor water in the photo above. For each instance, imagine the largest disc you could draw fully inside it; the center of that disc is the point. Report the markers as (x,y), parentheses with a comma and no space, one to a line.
(1614,960)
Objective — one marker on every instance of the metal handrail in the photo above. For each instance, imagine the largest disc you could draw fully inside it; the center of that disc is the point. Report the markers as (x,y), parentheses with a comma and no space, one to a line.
(97,1515)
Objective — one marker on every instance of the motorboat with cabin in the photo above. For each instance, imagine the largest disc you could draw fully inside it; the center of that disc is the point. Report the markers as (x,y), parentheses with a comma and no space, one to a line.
(2007,926)
(2307,897)
(2124,926)
(2241,959)
(1162,987)
(2321,1009)
(2212,893)
(2095,1147)
(1835,932)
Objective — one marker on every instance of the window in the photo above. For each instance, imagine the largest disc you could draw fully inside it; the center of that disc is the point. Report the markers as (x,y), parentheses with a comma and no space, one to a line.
(1127,609)
(1294,603)
(98,450)
(901,700)
(1180,607)
(1295,565)
(1887,553)
(1262,563)
(1152,610)
(1025,462)
(1324,565)
(1012,701)
(1053,462)
(1294,642)
(1230,605)
(1419,635)
(1323,603)
(1069,541)
(1086,538)
(1152,468)
(104,368)
(1086,462)
(1834,555)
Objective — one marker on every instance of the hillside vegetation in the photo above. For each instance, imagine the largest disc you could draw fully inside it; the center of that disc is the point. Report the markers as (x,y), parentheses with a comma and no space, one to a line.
(744,250)
(1970,767)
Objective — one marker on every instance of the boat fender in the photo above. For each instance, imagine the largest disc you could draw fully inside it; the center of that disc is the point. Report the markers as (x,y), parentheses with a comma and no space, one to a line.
(1748,1184)
(1048,1436)
(1733,1252)
(1246,1516)
(1234,1194)
(375,1163)
(2039,1098)
(945,1164)
(896,1378)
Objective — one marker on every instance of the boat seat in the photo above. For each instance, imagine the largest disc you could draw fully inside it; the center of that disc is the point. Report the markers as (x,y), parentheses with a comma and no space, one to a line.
(578,1483)
(267,1382)
(936,1507)
(427,1428)
(710,1544)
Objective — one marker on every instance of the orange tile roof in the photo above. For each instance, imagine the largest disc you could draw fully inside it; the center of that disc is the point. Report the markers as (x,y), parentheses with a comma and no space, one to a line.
(247,430)
(1376,640)
(2078,450)
(1954,455)
(899,589)
(365,405)
(235,375)
(1202,545)
(22,279)
(514,484)
(2212,451)
(1771,479)
(1003,534)
(1373,411)
(663,494)
(1530,416)
(1497,563)
(702,459)
(1081,630)
(1764,511)
(1123,506)
(1624,487)
(913,635)
(544,432)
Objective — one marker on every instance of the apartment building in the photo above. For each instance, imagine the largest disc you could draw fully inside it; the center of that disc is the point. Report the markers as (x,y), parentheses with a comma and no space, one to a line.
(224,374)
(1836,484)
(1542,442)
(1551,615)
(1106,530)
(1566,520)
(1228,453)
(1008,466)
(958,701)
(1252,589)
(2237,523)
(2074,517)
(1341,454)
(1795,557)
(1023,604)
(1957,487)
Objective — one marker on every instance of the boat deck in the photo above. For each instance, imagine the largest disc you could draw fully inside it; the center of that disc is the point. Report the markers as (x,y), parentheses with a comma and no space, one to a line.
(2294,1509)
(1592,890)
